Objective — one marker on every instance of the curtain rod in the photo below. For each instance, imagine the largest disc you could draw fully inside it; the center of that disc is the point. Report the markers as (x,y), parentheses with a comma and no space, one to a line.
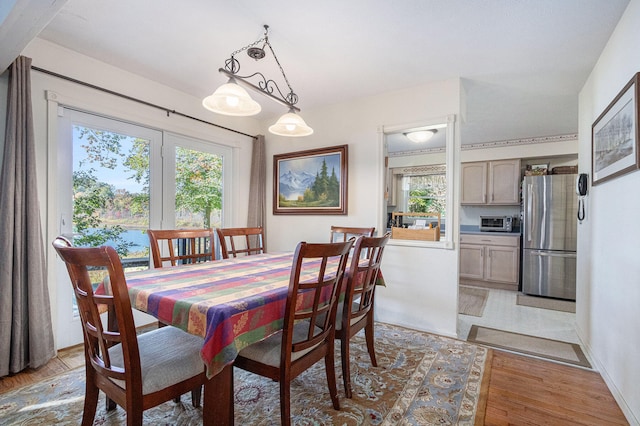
(111,92)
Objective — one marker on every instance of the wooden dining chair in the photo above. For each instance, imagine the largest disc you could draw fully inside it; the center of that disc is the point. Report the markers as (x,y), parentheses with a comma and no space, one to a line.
(136,372)
(243,241)
(184,246)
(356,311)
(303,341)
(344,233)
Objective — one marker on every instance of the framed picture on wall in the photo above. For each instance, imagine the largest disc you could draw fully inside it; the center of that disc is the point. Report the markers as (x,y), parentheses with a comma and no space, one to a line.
(311,182)
(615,136)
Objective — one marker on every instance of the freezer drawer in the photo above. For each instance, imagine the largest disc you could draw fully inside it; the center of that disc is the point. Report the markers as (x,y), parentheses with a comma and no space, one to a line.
(549,273)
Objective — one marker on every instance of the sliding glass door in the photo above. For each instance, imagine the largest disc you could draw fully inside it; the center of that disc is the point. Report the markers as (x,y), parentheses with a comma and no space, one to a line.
(116,180)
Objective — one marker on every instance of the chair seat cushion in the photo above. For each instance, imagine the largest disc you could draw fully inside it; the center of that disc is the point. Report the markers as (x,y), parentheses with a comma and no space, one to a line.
(168,356)
(267,351)
(353,320)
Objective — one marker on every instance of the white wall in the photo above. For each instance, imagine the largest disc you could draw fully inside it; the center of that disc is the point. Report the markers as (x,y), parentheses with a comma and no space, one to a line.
(57,59)
(421,287)
(608,255)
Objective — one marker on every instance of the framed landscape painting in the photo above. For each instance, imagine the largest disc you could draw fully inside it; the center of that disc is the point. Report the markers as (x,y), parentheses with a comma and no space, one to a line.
(615,136)
(311,182)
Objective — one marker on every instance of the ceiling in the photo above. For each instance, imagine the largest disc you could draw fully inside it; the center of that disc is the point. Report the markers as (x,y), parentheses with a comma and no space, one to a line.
(522,63)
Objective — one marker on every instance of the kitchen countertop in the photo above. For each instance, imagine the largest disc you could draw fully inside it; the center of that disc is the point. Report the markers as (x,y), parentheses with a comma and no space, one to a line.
(473,229)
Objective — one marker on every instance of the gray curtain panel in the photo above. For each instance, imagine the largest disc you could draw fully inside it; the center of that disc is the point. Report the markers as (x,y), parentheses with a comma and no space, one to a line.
(257,187)
(26,334)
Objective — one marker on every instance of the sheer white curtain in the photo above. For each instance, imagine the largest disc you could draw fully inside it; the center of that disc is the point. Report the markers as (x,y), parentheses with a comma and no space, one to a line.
(257,187)
(26,334)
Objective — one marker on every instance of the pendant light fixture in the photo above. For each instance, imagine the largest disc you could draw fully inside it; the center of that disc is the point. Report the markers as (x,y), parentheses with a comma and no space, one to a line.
(232,99)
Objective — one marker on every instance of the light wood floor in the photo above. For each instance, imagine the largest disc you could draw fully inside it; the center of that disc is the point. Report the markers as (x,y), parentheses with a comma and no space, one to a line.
(529,391)
(522,391)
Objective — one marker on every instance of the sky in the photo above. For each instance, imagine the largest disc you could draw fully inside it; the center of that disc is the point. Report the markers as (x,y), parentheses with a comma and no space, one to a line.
(118,177)
(311,165)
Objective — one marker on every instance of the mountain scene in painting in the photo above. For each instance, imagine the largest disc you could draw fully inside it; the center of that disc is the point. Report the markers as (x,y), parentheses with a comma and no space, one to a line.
(310,182)
(293,184)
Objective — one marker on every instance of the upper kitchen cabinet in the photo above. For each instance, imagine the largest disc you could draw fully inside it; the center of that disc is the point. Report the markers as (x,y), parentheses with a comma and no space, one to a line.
(491,183)
(474,183)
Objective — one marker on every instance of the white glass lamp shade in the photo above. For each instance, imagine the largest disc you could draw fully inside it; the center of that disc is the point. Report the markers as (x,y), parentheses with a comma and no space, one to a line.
(420,135)
(291,124)
(231,99)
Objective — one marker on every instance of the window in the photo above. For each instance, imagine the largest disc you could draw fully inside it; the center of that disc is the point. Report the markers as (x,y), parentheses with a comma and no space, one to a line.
(425,193)
(110,175)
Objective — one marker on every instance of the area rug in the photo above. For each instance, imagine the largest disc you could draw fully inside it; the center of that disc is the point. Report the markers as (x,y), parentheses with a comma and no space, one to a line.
(556,350)
(471,300)
(421,379)
(546,303)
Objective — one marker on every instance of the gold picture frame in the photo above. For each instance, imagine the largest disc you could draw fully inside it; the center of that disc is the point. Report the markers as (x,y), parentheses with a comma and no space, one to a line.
(312,182)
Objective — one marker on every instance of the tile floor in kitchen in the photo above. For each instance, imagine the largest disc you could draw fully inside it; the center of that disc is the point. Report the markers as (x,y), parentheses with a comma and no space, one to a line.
(501,312)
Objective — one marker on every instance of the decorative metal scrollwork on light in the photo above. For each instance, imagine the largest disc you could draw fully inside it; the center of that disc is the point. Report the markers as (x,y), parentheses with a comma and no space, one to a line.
(231,99)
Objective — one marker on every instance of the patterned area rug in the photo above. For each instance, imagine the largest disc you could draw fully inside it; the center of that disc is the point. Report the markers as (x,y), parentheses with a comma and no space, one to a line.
(421,379)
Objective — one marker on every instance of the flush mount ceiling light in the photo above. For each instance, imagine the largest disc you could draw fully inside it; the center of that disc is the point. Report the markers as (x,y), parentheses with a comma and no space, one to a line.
(421,135)
(231,99)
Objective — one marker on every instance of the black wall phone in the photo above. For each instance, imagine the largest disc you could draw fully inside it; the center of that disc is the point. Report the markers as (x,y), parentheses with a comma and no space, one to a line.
(581,184)
(581,189)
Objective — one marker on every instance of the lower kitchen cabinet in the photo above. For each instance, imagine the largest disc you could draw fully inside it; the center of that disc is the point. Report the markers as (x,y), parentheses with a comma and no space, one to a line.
(490,261)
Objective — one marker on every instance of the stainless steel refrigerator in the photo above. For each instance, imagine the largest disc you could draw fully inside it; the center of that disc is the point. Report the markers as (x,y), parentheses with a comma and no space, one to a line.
(549,224)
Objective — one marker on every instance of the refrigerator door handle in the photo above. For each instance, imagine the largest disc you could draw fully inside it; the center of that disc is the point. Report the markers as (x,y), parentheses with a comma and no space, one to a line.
(552,254)
(529,211)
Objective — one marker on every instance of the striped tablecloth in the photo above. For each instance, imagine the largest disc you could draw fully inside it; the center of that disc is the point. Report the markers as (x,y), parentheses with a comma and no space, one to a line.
(230,303)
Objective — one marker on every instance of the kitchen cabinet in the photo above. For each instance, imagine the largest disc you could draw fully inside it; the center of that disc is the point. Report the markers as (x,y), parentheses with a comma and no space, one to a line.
(490,260)
(491,182)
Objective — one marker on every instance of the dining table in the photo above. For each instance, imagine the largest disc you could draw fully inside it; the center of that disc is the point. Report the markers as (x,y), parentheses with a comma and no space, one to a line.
(231,303)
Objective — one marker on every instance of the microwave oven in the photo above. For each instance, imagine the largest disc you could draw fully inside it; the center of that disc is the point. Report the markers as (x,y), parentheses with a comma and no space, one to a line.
(496,223)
